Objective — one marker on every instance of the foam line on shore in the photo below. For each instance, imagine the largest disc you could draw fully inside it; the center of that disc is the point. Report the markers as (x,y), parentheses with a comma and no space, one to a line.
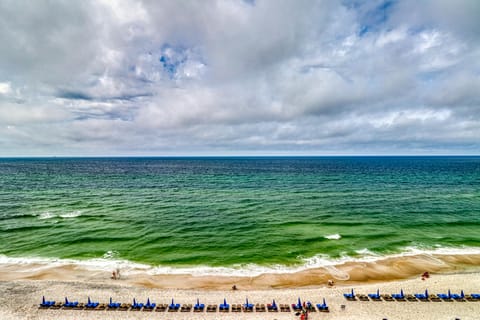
(431,256)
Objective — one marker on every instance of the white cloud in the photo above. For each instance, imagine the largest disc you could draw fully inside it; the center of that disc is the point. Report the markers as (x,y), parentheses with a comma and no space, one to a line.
(154,77)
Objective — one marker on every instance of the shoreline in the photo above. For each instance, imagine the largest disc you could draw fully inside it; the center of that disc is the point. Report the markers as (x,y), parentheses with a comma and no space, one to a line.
(345,274)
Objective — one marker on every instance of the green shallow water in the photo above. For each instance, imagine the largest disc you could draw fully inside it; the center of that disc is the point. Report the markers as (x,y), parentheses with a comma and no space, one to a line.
(187,212)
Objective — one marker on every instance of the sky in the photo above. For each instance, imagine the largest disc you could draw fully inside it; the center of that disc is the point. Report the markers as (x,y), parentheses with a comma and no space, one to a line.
(238,77)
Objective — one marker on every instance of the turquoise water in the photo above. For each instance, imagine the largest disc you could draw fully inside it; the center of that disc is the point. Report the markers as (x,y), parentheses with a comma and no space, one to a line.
(231,212)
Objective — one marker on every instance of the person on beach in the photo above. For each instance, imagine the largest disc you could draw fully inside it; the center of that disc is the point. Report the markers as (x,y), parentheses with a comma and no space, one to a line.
(425,275)
(234,287)
(114,275)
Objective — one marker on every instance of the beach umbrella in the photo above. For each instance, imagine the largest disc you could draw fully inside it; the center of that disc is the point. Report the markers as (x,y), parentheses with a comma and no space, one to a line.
(111,300)
(324,303)
(246,302)
(66,300)
(224,301)
(353,293)
(401,293)
(148,301)
(449,294)
(462,295)
(299,303)
(198,302)
(378,293)
(273,303)
(426,293)
(134,302)
(43,300)
(89,302)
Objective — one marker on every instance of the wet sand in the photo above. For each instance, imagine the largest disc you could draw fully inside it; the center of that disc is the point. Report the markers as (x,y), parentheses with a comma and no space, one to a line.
(22,286)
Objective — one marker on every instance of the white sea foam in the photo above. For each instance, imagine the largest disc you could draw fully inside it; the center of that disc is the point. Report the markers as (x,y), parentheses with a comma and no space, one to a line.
(46,215)
(335,236)
(110,262)
(72,214)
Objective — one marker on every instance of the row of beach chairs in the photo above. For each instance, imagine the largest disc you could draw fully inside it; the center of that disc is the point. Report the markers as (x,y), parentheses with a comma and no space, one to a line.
(425,297)
(176,307)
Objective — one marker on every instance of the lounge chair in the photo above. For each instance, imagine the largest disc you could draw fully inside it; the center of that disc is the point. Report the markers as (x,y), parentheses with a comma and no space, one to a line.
(248,307)
(113,305)
(149,306)
(70,304)
(375,296)
(186,307)
(298,306)
(161,307)
(260,307)
(46,304)
(272,307)
(136,306)
(173,307)
(362,297)
(124,307)
(224,307)
(212,308)
(285,308)
(422,296)
(323,307)
(399,296)
(410,298)
(237,307)
(350,296)
(198,307)
(91,305)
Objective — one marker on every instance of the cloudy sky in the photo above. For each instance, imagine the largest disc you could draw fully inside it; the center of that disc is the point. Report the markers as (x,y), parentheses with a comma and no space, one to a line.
(256,77)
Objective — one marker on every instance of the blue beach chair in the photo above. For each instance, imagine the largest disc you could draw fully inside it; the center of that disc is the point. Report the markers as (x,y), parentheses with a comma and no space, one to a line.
(273,306)
(375,296)
(136,305)
(149,305)
(225,307)
(248,306)
(113,305)
(298,306)
(198,307)
(349,296)
(91,305)
(174,306)
(399,296)
(46,303)
(422,296)
(70,304)
(322,307)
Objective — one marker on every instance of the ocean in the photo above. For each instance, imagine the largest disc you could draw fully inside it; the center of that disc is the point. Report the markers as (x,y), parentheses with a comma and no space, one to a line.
(236,215)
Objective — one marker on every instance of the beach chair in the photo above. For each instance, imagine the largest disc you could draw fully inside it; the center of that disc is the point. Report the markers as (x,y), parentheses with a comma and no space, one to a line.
(187,307)
(362,297)
(272,307)
(113,305)
(298,306)
(411,298)
(224,307)
(260,307)
(212,308)
(472,297)
(161,307)
(375,296)
(91,305)
(136,306)
(350,296)
(310,307)
(149,306)
(422,296)
(323,306)
(173,307)
(70,304)
(399,296)
(46,304)
(124,307)
(237,307)
(248,307)
(198,307)
(446,296)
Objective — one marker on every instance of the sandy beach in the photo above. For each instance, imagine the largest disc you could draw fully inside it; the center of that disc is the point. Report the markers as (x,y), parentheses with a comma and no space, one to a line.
(21,295)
